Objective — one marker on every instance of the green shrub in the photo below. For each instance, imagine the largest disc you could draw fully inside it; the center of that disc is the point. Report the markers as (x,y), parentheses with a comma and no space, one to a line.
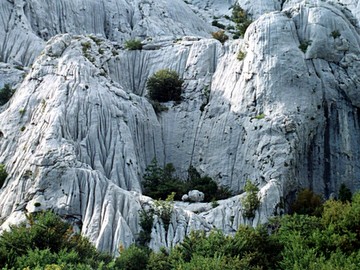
(3,174)
(220,36)
(251,201)
(344,193)
(307,203)
(164,85)
(260,116)
(133,44)
(240,17)
(241,55)
(46,239)
(22,111)
(146,224)
(159,182)
(132,258)
(164,209)
(255,246)
(206,185)
(335,34)
(304,45)
(214,203)
(219,262)
(217,24)
(86,46)
(5,94)
(159,261)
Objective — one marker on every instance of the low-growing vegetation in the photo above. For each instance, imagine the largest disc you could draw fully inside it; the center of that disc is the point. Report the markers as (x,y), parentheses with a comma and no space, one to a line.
(164,209)
(220,36)
(165,85)
(133,44)
(241,55)
(3,174)
(217,24)
(330,241)
(304,45)
(324,240)
(159,182)
(5,94)
(45,241)
(241,19)
(250,202)
(335,34)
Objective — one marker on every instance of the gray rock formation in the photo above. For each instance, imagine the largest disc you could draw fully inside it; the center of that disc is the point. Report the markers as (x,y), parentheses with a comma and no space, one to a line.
(80,131)
(196,196)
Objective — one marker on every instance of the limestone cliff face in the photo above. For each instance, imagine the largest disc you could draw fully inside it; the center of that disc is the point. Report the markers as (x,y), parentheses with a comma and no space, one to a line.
(79,132)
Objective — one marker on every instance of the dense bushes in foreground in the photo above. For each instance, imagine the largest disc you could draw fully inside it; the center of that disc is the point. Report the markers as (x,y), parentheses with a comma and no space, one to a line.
(330,241)
(47,242)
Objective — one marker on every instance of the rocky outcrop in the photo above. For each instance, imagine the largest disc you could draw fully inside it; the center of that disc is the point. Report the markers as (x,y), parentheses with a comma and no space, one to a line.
(80,131)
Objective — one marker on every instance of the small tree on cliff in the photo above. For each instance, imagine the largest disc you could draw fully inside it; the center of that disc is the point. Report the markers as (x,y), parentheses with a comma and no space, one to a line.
(164,85)
(251,201)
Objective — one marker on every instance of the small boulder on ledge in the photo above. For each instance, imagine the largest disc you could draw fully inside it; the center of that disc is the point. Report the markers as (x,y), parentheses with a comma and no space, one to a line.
(195,196)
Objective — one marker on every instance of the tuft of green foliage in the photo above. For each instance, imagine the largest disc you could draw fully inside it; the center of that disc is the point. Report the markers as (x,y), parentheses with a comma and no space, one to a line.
(164,209)
(214,203)
(217,24)
(304,45)
(335,34)
(220,36)
(97,40)
(344,193)
(164,85)
(86,46)
(251,201)
(133,44)
(260,116)
(241,18)
(146,224)
(5,94)
(22,111)
(3,174)
(241,55)
(307,203)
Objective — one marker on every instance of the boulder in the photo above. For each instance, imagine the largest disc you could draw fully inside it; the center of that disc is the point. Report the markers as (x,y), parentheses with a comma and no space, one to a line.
(196,196)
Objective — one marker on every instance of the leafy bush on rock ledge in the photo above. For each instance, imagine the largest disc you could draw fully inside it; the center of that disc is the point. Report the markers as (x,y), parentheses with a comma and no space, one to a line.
(5,94)
(165,85)
(220,36)
(159,182)
(133,44)
(3,175)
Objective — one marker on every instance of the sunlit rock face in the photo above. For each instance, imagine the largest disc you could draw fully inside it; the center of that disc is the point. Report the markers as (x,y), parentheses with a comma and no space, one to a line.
(79,131)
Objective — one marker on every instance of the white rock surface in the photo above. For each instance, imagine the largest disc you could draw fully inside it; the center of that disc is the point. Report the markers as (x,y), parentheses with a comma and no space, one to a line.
(79,131)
